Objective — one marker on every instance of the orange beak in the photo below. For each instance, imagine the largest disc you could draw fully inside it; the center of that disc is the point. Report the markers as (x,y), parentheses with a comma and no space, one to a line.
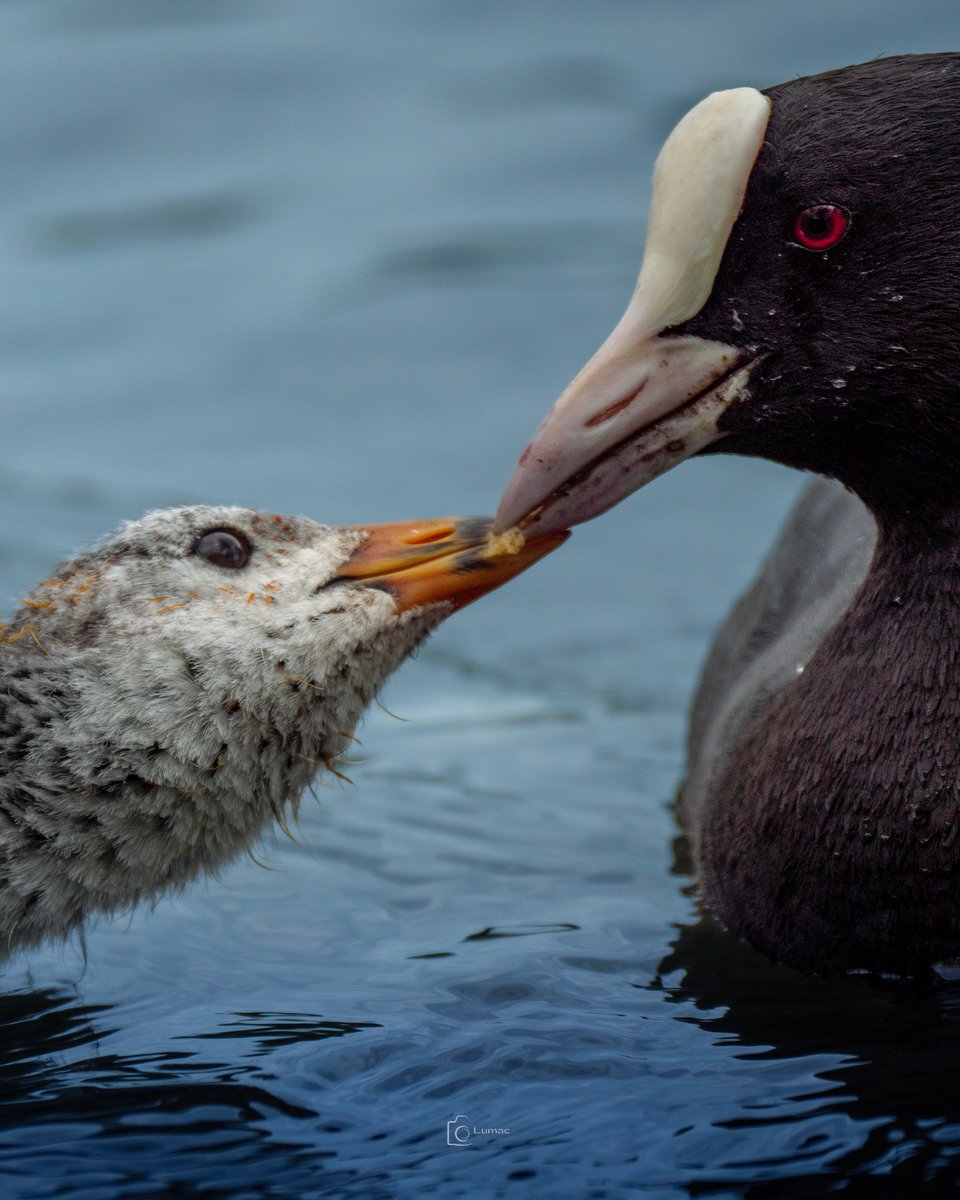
(452,560)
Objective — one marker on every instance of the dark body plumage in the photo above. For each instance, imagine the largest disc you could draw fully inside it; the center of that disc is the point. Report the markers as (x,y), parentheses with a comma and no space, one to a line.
(824,780)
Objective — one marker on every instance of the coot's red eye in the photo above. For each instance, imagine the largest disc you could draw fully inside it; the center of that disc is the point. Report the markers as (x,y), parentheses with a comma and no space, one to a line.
(820,227)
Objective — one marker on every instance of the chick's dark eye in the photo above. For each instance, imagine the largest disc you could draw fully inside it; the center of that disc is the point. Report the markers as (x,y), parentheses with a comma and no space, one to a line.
(820,227)
(224,549)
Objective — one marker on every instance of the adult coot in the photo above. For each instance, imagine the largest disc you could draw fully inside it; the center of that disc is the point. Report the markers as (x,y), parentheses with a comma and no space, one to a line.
(799,300)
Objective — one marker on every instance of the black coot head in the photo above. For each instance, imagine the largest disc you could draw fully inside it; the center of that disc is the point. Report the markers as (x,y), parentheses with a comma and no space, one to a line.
(799,300)
(842,275)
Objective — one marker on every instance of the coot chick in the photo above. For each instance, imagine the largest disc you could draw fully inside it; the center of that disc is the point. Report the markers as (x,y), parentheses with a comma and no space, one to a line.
(167,695)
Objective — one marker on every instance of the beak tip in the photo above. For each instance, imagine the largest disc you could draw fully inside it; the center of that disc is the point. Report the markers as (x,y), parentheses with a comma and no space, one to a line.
(513,510)
(452,561)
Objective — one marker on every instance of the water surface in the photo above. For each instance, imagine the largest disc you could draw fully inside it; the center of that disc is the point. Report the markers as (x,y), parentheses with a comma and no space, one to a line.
(336,259)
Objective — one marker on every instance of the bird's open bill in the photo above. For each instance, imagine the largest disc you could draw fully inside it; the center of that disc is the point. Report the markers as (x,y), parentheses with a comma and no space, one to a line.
(650,397)
(451,560)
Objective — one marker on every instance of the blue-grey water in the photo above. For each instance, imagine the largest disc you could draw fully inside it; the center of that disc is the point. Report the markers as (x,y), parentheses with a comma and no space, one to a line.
(337,257)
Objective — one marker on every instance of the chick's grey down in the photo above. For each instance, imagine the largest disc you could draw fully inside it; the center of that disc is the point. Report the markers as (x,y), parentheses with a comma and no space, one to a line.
(158,711)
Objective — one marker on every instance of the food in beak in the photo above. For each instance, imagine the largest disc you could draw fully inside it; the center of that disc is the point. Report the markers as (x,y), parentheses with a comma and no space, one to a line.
(447,561)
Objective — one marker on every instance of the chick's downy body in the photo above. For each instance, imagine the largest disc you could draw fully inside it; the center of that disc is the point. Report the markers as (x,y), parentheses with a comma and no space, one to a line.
(158,710)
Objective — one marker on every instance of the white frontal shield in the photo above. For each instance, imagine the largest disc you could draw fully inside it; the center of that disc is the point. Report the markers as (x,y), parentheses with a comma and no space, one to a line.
(643,402)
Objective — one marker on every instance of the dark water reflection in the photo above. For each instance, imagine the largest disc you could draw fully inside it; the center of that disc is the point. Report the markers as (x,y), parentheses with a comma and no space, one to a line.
(336,259)
(827,1086)
(877,1103)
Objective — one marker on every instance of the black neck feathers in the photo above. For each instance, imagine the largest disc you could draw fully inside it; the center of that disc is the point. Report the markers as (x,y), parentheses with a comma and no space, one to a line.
(833,842)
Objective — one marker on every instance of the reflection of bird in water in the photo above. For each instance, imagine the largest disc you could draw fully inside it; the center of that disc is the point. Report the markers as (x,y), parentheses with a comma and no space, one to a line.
(798,301)
(168,694)
(856,1076)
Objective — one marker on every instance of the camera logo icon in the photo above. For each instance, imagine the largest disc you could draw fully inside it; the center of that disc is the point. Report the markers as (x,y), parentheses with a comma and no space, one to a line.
(458,1131)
